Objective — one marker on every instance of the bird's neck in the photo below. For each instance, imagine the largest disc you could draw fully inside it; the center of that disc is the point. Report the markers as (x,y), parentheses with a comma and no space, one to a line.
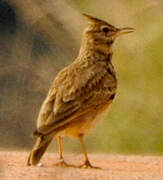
(95,54)
(101,51)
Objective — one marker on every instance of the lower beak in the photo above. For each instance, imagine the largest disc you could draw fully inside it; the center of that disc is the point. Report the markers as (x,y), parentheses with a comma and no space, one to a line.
(125,30)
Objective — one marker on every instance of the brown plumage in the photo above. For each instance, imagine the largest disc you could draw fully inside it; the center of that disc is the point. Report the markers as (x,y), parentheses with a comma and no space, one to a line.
(81,93)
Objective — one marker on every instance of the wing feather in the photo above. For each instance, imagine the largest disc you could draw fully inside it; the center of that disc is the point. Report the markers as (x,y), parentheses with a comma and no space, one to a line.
(75,90)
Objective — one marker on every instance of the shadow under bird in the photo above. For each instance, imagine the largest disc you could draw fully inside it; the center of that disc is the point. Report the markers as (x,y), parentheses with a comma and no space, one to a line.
(81,93)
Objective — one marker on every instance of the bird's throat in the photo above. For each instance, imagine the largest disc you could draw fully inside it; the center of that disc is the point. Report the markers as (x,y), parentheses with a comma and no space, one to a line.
(88,46)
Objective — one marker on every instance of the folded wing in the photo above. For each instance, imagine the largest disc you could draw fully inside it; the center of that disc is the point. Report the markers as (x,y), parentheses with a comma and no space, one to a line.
(75,90)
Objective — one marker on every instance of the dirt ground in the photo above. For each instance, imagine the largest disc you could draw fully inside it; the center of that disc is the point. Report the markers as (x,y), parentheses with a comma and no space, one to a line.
(114,167)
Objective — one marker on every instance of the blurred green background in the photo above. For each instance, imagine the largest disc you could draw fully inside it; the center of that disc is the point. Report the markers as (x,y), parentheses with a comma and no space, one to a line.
(38,38)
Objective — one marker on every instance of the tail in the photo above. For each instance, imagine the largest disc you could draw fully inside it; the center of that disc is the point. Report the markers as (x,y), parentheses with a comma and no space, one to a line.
(39,149)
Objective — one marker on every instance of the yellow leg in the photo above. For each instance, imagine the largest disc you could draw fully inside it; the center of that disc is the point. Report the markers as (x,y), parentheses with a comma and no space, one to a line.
(61,160)
(87,163)
(60,147)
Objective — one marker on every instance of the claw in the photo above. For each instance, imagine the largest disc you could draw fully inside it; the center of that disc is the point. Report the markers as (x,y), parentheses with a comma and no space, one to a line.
(62,163)
(87,164)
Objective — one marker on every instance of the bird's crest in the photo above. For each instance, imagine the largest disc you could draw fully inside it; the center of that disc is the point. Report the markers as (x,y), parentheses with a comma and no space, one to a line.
(94,20)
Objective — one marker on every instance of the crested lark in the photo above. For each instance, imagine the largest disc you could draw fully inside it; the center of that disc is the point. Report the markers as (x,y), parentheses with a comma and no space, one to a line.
(81,93)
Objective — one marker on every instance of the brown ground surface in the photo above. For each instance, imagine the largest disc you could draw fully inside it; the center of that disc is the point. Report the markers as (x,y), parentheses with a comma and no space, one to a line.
(114,167)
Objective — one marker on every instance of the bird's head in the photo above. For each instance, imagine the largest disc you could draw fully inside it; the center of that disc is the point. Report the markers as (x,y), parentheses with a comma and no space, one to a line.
(101,35)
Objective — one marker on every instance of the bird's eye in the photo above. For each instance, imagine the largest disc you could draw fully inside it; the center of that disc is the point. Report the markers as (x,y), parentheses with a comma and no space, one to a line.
(105,29)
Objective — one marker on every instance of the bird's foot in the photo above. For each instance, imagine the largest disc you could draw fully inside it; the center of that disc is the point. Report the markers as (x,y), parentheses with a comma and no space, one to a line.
(87,164)
(62,163)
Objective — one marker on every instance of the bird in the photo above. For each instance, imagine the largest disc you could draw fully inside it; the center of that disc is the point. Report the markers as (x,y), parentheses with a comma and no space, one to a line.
(81,93)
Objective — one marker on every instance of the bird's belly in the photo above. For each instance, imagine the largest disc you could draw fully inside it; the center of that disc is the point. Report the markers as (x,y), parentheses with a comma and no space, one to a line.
(83,124)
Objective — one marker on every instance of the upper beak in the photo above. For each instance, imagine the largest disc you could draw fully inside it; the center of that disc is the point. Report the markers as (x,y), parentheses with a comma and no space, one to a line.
(125,30)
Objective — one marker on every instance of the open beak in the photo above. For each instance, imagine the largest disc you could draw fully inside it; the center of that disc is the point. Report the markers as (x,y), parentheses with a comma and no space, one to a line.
(125,30)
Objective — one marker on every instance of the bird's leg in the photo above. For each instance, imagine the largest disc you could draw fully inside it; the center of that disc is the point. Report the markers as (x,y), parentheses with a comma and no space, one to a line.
(87,163)
(61,160)
(60,148)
